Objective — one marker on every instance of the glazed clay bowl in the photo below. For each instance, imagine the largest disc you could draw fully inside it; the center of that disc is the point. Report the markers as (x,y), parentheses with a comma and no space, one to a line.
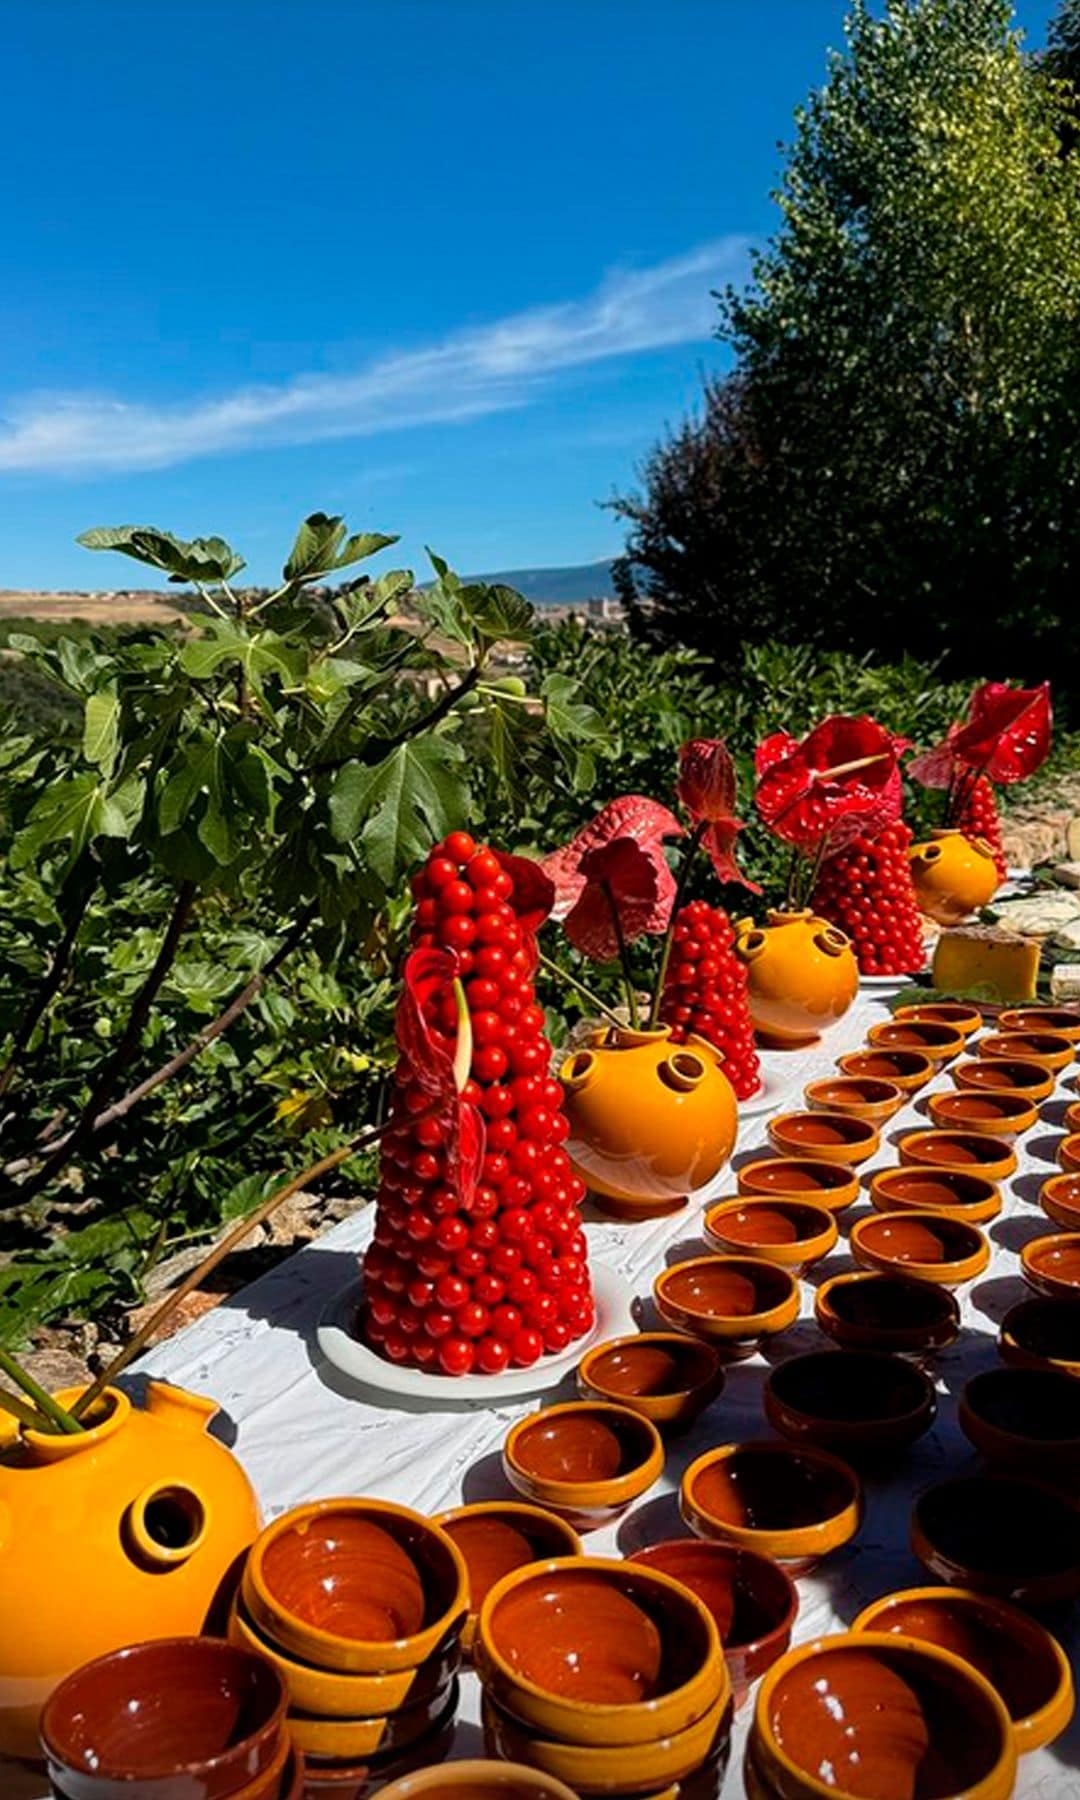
(1063,1021)
(1000,1535)
(1071,1121)
(358,1586)
(909,1070)
(495,1536)
(925,1246)
(854,1401)
(800,1178)
(888,1717)
(953,1013)
(734,1302)
(585,1460)
(177,1719)
(752,1599)
(1046,1047)
(655,1768)
(1051,1265)
(1001,1115)
(1028,1417)
(601,1652)
(1059,1198)
(1019,1658)
(864,1097)
(663,1375)
(989,1156)
(1005,1075)
(475,1776)
(1042,1334)
(349,1740)
(793,1504)
(954,1193)
(887,1312)
(1068,1153)
(827,1137)
(314,1690)
(792,1233)
(939,1043)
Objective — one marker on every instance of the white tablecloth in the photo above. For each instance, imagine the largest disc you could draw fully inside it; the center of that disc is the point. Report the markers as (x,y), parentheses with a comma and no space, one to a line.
(303,1431)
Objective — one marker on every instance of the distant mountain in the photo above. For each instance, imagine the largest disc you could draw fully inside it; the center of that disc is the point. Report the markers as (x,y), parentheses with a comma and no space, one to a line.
(558,587)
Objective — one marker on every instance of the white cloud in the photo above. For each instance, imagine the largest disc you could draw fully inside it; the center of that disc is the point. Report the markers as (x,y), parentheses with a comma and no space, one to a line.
(490,369)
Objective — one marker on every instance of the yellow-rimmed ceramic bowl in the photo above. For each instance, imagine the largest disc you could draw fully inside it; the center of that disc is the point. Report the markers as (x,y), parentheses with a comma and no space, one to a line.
(1049,1048)
(826,1137)
(1005,1075)
(666,1376)
(953,1013)
(995,1115)
(795,1503)
(909,1070)
(792,1233)
(585,1460)
(733,1302)
(955,1193)
(984,1155)
(926,1246)
(800,1178)
(863,1097)
(940,1043)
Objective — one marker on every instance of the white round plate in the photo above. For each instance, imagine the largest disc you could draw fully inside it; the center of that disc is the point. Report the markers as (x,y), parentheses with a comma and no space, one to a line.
(884,984)
(347,1354)
(770,1097)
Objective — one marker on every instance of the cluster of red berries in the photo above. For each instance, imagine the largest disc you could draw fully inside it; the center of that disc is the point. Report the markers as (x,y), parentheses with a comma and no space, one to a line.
(867,891)
(500,1281)
(979,819)
(705,993)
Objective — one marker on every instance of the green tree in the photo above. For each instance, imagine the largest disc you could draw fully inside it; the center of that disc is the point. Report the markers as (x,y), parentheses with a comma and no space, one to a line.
(896,459)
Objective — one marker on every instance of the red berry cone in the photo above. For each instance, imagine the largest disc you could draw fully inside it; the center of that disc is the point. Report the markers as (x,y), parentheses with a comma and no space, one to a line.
(705,993)
(979,819)
(478,1260)
(867,891)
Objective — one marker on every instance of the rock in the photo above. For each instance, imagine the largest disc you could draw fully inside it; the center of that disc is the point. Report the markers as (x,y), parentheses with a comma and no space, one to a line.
(55,1366)
(1068,937)
(1068,874)
(1039,915)
(192,1307)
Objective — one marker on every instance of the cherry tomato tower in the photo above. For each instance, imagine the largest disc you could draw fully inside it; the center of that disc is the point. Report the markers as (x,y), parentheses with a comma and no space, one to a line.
(866,890)
(705,993)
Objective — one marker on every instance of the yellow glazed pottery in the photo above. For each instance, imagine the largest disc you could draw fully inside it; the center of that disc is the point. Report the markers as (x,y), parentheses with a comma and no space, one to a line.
(123,1533)
(801,976)
(953,876)
(650,1120)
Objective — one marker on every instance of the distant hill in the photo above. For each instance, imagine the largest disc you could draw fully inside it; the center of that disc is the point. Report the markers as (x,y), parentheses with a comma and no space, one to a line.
(558,587)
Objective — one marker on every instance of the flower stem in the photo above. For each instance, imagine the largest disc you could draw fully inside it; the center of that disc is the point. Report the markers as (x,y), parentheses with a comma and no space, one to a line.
(58,1417)
(624,955)
(689,852)
(815,869)
(791,900)
(10,1403)
(561,974)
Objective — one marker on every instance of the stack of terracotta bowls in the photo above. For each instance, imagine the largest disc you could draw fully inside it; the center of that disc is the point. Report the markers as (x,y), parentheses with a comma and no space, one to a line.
(607,1675)
(191,1717)
(360,1607)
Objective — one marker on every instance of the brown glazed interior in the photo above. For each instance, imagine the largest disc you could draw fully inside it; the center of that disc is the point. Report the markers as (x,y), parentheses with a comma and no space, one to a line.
(917,1034)
(582,1445)
(816,1129)
(960,1149)
(848,1089)
(887,1726)
(778,1222)
(937,1187)
(890,1303)
(492,1547)
(797,1175)
(1060,1261)
(1041,1404)
(356,1578)
(997,1526)
(920,1240)
(1012,1653)
(1031,1043)
(605,1638)
(765,1489)
(848,1385)
(738,1289)
(652,1367)
(158,1709)
(1044,1018)
(885,1065)
(1003,1072)
(1048,1327)
(1001,1107)
(748,1595)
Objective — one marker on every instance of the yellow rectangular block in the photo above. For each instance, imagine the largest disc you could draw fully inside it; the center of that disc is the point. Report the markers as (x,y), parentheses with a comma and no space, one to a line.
(974,956)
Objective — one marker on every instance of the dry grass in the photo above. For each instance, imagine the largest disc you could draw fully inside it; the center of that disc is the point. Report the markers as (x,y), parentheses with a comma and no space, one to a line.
(135,608)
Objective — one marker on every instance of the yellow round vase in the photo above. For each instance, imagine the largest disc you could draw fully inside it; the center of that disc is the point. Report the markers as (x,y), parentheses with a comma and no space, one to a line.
(801,976)
(953,875)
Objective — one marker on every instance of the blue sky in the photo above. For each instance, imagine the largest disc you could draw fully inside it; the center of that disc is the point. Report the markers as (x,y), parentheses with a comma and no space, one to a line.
(440,265)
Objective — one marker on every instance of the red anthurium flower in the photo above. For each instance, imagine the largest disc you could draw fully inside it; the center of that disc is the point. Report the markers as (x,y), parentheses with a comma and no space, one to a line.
(706,787)
(616,861)
(840,781)
(1006,737)
(936,768)
(431,1067)
(534,891)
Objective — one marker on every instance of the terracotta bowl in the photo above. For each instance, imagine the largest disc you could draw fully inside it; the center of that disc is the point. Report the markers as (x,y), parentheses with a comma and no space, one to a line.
(1002,1115)
(1063,1020)
(989,1156)
(657,1768)
(752,1599)
(1051,1265)
(178,1717)
(734,1302)
(601,1652)
(495,1536)
(360,1586)
(827,1137)
(1046,1047)
(473,1776)
(793,1504)
(1042,1334)
(1068,1153)
(861,1097)
(585,1460)
(1005,1075)
(887,1312)
(1000,1535)
(954,1193)
(889,1718)
(909,1070)
(1019,1657)
(1029,1417)
(1071,1121)
(347,1740)
(925,1246)
(854,1401)
(793,1233)
(953,1013)
(940,1043)
(800,1178)
(1059,1198)
(314,1690)
(363,1779)
(663,1375)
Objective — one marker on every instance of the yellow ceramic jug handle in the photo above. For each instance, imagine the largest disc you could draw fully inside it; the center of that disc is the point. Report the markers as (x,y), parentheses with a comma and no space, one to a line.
(577,1071)
(750,944)
(165,1524)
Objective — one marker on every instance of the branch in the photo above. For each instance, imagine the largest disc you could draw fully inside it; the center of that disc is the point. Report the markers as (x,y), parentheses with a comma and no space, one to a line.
(50,981)
(377,748)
